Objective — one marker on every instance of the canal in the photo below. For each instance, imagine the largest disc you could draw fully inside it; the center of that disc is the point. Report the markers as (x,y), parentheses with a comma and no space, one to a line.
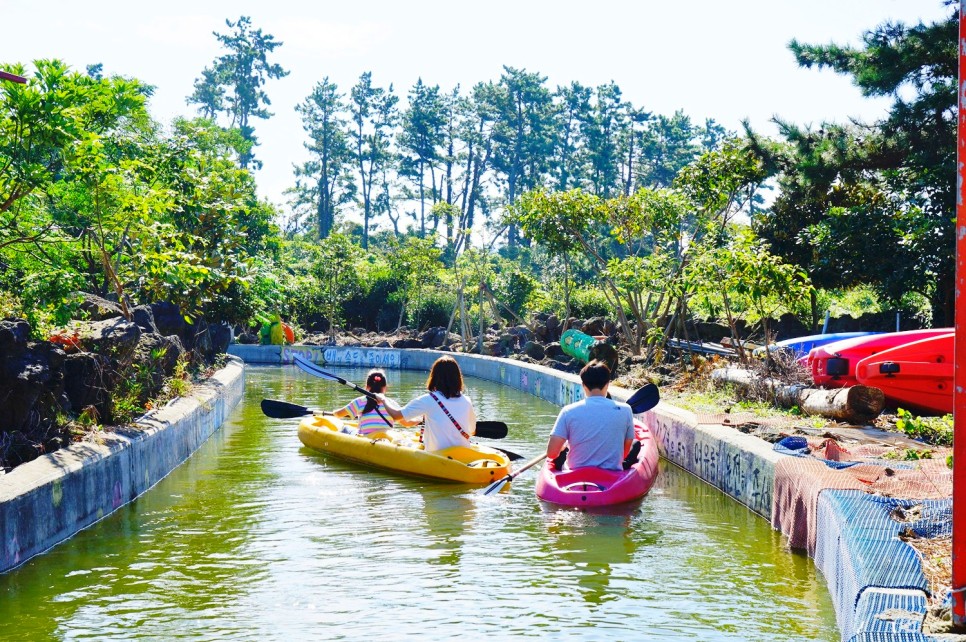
(258,538)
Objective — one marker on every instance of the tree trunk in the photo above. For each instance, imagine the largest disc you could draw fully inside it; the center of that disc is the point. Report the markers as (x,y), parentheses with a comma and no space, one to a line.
(855,404)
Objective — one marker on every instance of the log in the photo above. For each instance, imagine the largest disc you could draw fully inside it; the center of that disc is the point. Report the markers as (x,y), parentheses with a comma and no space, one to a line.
(855,404)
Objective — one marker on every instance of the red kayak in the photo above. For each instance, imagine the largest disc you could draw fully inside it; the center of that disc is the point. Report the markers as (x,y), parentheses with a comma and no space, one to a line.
(600,487)
(916,375)
(833,364)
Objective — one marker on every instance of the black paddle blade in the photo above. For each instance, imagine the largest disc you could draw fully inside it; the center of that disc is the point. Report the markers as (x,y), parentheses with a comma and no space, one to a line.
(644,399)
(283,410)
(491,429)
(512,456)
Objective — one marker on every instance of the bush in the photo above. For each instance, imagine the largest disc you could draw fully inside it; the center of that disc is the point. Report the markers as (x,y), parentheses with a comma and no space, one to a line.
(588,302)
(433,310)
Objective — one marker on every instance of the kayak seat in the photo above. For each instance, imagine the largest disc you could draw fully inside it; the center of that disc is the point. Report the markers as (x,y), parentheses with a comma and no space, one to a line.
(583,487)
(484,463)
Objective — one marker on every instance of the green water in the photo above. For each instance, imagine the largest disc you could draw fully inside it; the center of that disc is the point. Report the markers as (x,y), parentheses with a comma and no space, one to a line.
(258,538)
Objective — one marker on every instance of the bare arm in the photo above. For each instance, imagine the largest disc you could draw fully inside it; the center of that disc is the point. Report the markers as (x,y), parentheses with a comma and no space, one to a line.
(554,446)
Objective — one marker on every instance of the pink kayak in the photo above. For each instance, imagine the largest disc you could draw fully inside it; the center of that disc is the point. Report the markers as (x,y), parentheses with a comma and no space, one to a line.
(833,364)
(600,487)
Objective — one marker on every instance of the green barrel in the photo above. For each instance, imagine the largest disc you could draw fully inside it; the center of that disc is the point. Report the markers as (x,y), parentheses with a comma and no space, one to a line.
(577,344)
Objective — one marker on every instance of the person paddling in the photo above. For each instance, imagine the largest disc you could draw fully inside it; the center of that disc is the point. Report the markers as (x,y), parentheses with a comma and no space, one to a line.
(599,431)
(372,416)
(450,417)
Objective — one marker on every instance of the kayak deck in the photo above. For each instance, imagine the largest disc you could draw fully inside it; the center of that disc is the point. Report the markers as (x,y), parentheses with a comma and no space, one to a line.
(399,451)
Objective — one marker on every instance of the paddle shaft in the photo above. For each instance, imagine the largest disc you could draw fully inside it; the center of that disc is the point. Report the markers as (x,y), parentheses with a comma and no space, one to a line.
(503,481)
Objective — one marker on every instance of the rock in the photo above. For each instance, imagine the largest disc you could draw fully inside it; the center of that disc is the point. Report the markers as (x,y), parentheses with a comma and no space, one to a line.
(198,339)
(534,350)
(143,316)
(168,319)
(86,382)
(553,324)
(247,338)
(406,343)
(433,338)
(98,308)
(594,327)
(221,337)
(553,350)
(14,334)
(114,338)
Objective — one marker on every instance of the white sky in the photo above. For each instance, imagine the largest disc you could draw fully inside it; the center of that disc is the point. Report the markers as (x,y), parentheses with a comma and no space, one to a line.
(726,60)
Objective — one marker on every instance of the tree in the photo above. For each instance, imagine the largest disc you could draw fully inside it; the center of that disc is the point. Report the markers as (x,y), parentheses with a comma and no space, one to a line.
(325,182)
(421,137)
(572,109)
(523,135)
(234,83)
(374,115)
(898,174)
(601,135)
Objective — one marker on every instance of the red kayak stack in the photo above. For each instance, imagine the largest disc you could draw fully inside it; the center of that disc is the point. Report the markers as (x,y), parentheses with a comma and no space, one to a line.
(833,364)
(913,369)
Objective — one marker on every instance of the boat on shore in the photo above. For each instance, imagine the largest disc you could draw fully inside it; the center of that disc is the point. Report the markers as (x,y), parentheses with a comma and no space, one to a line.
(586,487)
(799,347)
(399,451)
(916,376)
(833,364)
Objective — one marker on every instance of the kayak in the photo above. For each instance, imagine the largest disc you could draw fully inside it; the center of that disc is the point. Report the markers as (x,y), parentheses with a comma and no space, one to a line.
(400,451)
(916,375)
(833,365)
(600,487)
(799,347)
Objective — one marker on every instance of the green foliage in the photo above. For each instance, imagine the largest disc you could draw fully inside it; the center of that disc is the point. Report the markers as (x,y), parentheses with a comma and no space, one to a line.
(875,204)
(588,302)
(937,431)
(747,280)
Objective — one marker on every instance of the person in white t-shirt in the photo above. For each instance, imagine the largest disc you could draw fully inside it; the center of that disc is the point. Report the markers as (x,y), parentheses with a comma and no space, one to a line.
(450,417)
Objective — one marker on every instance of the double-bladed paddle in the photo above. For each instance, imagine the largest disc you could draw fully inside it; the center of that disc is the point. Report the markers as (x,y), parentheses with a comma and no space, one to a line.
(641,401)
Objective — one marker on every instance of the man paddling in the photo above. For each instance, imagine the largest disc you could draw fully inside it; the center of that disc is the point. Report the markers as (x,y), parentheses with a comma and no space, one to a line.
(599,431)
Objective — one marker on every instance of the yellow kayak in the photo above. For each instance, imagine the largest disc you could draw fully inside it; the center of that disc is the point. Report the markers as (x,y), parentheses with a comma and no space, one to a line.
(399,451)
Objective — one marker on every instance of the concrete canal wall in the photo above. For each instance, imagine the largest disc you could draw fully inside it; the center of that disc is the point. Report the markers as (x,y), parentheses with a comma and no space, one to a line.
(47,500)
(875,579)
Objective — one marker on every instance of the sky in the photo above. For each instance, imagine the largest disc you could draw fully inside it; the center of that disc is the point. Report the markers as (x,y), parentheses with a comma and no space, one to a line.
(712,59)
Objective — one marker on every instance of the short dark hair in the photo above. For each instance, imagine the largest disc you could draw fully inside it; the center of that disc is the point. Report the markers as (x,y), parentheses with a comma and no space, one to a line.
(595,375)
(445,377)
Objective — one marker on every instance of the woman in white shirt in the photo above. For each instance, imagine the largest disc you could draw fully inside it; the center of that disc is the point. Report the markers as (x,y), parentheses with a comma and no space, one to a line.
(450,417)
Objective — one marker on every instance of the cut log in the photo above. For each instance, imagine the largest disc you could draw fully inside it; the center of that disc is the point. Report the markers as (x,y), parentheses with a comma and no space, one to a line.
(855,404)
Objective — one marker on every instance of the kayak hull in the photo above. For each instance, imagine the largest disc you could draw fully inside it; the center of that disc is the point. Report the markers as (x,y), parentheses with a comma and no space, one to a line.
(398,451)
(799,347)
(833,364)
(916,376)
(587,487)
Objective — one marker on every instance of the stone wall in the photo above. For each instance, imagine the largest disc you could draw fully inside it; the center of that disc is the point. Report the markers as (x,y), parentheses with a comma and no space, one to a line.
(45,501)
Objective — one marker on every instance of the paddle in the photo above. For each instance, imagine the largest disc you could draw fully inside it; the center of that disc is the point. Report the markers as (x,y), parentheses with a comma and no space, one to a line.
(484,429)
(285,410)
(498,485)
(644,399)
(641,401)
